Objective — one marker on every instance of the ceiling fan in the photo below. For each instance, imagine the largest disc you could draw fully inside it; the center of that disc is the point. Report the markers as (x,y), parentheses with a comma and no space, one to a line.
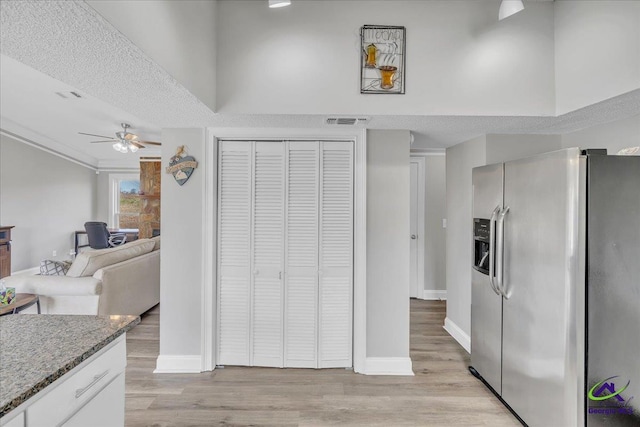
(124,141)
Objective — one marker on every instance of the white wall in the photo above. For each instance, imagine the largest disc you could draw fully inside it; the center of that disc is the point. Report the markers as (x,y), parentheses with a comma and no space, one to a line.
(102,199)
(387,247)
(613,136)
(502,148)
(46,198)
(460,59)
(182,240)
(461,159)
(388,178)
(180,36)
(597,51)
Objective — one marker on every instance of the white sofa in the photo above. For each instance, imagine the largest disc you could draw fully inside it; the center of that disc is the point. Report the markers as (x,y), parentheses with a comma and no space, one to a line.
(120,280)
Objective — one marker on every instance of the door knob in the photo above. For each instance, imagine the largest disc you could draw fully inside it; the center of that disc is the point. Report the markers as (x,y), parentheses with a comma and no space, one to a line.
(413,236)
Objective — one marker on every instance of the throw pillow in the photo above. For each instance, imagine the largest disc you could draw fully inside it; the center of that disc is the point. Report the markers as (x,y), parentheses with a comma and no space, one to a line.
(54,268)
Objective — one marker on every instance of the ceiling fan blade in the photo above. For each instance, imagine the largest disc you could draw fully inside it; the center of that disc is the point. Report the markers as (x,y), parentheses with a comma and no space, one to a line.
(93,134)
(110,140)
(150,142)
(136,144)
(130,136)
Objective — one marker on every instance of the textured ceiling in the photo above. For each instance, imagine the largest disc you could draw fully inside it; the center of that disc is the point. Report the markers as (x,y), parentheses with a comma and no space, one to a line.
(70,42)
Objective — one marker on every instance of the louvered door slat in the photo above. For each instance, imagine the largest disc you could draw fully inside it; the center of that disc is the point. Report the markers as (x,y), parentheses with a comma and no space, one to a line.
(336,255)
(234,245)
(301,284)
(268,248)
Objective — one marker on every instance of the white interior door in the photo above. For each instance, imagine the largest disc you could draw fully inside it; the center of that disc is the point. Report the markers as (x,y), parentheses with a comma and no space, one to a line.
(268,253)
(234,252)
(285,292)
(336,254)
(416,228)
(301,284)
(413,229)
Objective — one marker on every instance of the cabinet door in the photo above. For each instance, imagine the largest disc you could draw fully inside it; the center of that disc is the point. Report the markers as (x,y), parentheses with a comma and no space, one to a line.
(234,252)
(106,409)
(301,284)
(5,260)
(268,248)
(335,254)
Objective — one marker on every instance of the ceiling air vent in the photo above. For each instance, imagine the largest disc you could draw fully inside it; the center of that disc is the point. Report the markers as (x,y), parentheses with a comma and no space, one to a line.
(68,95)
(347,121)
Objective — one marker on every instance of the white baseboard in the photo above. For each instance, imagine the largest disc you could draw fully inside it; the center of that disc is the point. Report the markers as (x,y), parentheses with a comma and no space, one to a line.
(388,366)
(458,334)
(169,364)
(429,294)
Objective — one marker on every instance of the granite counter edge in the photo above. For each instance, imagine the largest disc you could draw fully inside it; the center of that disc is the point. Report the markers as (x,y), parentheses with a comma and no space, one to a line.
(20,399)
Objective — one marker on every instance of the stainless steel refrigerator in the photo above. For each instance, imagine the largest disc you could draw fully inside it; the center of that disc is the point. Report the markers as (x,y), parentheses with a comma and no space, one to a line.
(555,311)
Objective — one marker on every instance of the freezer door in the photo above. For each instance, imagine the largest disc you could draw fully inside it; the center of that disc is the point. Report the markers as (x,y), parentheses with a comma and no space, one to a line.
(540,373)
(613,284)
(486,305)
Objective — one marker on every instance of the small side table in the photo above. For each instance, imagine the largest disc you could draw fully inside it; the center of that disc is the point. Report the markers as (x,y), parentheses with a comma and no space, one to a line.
(20,302)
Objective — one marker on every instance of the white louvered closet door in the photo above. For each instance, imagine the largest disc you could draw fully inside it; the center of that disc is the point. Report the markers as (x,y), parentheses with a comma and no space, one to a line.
(301,254)
(268,250)
(234,252)
(336,255)
(285,248)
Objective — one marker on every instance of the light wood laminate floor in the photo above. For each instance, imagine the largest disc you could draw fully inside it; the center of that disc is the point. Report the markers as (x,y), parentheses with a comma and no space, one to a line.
(442,392)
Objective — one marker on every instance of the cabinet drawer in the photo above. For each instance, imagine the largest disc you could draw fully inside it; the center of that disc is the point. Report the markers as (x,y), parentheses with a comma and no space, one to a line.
(17,421)
(78,386)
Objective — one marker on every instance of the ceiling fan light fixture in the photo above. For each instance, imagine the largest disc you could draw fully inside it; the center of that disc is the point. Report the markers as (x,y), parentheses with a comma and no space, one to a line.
(279,3)
(509,7)
(117,146)
(133,148)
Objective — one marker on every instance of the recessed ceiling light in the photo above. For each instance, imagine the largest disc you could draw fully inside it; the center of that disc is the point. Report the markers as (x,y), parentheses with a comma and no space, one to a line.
(279,3)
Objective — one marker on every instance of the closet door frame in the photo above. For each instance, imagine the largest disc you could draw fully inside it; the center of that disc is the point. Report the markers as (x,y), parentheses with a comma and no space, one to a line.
(209,312)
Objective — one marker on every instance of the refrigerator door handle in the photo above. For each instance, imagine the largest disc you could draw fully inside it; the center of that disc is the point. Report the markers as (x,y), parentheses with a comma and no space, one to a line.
(500,253)
(492,256)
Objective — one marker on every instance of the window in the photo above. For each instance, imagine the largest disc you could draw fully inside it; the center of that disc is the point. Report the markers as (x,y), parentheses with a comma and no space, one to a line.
(124,201)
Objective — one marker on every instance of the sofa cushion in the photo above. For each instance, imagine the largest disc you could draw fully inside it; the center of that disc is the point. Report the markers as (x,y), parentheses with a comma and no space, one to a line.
(156,241)
(50,267)
(89,262)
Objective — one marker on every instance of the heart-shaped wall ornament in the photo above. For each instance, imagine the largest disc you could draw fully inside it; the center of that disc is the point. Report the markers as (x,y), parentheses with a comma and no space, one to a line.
(182,166)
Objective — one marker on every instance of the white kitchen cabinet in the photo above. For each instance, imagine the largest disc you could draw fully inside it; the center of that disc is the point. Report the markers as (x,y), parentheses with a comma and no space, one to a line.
(91,394)
(17,421)
(98,412)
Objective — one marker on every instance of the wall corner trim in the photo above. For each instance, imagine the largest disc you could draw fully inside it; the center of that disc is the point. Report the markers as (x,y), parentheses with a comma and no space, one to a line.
(458,334)
(431,294)
(388,366)
(176,364)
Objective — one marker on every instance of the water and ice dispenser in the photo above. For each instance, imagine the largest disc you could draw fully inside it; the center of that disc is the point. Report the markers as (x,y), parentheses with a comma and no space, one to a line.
(481,245)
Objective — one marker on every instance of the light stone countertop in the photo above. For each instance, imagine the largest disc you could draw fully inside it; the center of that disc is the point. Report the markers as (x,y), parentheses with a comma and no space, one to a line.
(37,349)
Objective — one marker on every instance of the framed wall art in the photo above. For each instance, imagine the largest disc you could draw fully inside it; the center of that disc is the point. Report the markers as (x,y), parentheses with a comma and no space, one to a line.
(382,59)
